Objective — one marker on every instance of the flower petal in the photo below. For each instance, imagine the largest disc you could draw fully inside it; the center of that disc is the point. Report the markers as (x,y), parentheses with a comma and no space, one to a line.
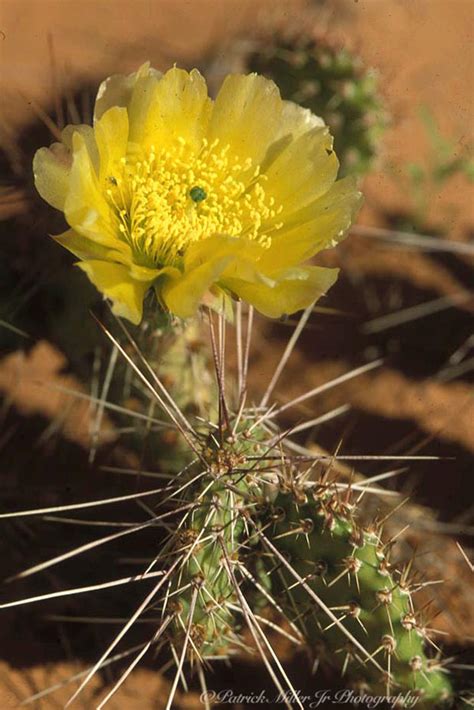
(115,282)
(289,294)
(294,121)
(303,171)
(219,246)
(85,248)
(175,107)
(111,134)
(85,208)
(318,226)
(246,115)
(87,132)
(183,294)
(51,169)
(146,273)
(298,120)
(207,264)
(117,90)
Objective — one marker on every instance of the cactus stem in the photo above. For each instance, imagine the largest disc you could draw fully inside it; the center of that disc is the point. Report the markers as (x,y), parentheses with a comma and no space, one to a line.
(161,395)
(315,597)
(254,628)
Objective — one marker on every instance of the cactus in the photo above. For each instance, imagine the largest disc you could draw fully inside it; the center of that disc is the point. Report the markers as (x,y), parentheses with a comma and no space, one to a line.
(331,558)
(245,531)
(331,577)
(201,591)
(312,548)
(333,83)
(213,538)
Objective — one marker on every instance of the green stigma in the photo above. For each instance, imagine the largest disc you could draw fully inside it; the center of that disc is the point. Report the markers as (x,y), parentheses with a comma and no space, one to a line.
(197,194)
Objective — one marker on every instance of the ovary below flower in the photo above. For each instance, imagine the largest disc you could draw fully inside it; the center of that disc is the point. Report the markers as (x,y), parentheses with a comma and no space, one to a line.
(199,199)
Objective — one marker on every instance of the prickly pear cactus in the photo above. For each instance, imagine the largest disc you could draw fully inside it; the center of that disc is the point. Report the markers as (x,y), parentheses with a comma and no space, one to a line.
(333,83)
(372,633)
(212,541)
(201,592)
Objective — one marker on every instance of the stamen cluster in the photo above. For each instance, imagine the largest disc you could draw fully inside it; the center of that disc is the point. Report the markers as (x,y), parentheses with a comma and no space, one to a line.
(167,199)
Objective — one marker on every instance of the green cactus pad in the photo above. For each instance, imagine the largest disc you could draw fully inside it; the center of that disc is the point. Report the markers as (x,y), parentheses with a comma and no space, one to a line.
(214,539)
(346,567)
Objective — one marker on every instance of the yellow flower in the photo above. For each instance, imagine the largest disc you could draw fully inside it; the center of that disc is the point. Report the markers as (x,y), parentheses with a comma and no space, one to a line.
(199,199)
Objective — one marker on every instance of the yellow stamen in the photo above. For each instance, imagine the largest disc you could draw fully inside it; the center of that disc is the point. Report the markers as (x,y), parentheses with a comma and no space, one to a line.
(170,198)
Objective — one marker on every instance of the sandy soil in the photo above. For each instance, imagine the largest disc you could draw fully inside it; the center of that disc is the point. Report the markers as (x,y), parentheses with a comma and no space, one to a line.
(425,52)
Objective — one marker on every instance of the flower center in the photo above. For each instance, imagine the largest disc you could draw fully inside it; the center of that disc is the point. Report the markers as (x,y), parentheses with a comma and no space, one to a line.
(172,197)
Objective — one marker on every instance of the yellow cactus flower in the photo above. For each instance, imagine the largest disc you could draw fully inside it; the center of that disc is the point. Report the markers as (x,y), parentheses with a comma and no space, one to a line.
(201,200)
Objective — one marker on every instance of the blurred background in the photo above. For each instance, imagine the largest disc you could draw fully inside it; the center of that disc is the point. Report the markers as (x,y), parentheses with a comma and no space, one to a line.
(394,80)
